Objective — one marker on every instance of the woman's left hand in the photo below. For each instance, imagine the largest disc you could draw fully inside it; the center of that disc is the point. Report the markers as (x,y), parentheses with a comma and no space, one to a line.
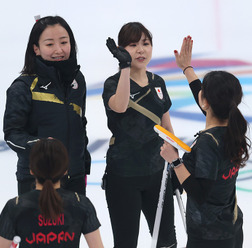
(120,53)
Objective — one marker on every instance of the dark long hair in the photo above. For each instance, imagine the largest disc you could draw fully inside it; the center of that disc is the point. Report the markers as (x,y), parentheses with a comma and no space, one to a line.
(37,30)
(132,32)
(223,92)
(49,162)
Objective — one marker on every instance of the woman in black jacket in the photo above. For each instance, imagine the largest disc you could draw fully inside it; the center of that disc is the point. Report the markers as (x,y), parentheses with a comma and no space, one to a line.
(49,100)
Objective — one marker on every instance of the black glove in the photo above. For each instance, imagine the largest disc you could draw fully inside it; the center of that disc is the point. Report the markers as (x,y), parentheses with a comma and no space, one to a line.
(120,53)
(175,182)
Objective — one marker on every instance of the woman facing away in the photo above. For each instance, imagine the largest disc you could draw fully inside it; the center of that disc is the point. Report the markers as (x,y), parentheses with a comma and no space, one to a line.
(135,100)
(209,172)
(49,100)
(49,216)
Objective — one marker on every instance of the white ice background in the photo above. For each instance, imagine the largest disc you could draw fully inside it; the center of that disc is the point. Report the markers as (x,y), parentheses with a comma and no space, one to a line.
(221,29)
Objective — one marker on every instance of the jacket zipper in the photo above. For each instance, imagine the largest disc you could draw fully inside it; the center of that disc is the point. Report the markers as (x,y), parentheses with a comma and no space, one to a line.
(65,91)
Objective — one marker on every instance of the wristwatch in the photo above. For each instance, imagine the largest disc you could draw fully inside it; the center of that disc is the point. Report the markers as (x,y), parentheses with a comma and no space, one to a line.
(176,163)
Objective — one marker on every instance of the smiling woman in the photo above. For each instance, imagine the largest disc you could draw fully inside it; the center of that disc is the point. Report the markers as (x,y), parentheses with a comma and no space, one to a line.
(54,44)
(49,100)
(135,100)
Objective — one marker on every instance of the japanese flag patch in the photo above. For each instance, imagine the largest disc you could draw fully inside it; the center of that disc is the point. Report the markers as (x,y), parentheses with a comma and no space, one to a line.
(159,92)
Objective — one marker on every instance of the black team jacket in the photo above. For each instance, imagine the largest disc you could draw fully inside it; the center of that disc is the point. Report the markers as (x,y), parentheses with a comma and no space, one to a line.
(45,105)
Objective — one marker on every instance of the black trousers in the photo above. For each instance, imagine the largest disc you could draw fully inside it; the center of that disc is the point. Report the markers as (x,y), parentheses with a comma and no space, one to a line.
(127,197)
(235,242)
(75,183)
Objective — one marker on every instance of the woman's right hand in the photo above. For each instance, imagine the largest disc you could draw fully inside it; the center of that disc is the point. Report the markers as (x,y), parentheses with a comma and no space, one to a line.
(183,59)
(120,53)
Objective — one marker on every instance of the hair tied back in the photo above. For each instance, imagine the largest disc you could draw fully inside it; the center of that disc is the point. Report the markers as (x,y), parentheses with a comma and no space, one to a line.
(233,105)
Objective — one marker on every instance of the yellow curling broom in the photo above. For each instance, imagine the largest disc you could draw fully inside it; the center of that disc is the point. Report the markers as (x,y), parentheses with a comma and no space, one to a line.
(171,138)
(179,144)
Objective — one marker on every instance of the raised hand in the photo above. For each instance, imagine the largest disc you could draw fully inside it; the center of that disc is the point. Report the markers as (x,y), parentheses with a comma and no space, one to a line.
(120,53)
(183,59)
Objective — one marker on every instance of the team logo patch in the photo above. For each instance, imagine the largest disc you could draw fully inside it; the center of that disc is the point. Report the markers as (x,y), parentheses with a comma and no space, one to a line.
(132,96)
(45,87)
(159,92)
(74,85)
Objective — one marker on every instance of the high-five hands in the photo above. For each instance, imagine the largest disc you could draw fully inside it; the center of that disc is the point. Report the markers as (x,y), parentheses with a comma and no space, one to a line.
(183,59)
(120,53)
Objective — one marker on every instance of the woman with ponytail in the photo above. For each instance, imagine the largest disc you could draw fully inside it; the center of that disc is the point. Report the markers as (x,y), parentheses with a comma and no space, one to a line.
(49,216)
(209,172)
